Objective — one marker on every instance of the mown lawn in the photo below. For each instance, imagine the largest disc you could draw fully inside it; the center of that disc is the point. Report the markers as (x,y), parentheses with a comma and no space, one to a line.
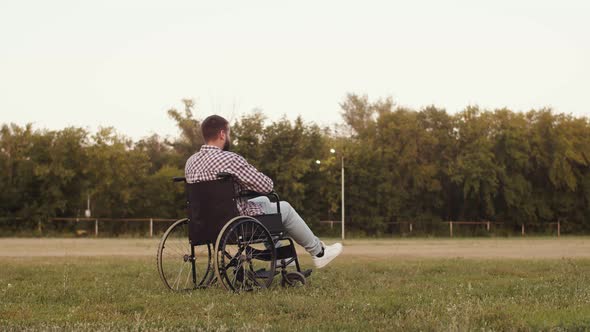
(352,294)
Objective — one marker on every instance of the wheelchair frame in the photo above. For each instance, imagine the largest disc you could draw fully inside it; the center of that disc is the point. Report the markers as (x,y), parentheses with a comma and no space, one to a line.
(240,253)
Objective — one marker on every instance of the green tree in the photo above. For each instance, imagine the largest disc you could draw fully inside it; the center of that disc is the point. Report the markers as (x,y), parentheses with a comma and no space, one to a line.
(115,172)
(191,138)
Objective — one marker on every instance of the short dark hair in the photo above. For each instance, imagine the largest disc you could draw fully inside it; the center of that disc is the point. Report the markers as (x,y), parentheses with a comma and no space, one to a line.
(212,125)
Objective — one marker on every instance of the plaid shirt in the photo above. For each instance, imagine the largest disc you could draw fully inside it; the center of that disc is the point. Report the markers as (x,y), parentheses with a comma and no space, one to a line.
(211,160)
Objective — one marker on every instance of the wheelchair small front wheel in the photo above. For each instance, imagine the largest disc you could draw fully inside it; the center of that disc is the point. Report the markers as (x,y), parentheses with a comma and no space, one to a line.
(293,279)
(181,265)
(245,255)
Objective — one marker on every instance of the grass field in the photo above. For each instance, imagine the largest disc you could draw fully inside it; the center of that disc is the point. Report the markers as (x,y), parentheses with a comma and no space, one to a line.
(462,284)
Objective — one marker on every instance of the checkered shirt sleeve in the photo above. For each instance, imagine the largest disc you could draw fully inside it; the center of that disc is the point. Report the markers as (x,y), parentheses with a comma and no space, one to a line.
(210,161)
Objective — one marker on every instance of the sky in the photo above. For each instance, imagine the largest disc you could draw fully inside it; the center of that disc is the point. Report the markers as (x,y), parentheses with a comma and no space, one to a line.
(124,63)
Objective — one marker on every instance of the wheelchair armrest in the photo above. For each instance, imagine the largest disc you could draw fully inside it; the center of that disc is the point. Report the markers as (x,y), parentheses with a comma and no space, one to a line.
(224,175)
(179,179)
(252,194)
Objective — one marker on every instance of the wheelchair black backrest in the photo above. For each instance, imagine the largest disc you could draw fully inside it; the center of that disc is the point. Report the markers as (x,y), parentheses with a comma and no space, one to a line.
(212,204)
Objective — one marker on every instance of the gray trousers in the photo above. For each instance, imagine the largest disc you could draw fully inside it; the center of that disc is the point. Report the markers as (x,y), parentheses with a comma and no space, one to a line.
(296,228)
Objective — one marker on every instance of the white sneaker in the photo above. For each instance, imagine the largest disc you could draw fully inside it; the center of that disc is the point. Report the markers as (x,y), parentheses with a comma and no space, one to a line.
(330,252)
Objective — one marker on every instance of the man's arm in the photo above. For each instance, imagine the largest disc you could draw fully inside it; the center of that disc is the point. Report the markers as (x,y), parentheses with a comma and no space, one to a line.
(250,178)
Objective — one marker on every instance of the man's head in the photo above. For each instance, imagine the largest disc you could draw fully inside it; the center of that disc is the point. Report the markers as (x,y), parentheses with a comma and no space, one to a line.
(215,131)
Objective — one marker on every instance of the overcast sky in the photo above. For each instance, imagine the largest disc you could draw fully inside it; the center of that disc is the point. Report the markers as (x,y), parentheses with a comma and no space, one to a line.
(124,63)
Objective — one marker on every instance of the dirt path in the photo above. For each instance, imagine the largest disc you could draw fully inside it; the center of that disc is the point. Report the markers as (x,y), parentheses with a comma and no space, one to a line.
(528,248)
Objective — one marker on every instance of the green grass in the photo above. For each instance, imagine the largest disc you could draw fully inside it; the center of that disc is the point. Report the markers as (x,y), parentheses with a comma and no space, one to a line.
(353,294)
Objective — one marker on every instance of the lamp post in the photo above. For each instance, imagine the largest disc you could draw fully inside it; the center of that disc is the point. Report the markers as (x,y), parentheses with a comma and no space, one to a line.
(87,213)
(333,151)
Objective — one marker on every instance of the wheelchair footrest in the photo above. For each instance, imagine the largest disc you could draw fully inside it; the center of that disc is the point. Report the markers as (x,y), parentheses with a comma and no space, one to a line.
(307,273)
(263,273)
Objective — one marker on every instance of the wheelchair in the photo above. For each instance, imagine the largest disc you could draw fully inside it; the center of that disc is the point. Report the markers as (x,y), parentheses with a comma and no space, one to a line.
(216,244)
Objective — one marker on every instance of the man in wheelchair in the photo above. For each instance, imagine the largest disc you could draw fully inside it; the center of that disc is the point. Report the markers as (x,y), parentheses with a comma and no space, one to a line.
(214,158)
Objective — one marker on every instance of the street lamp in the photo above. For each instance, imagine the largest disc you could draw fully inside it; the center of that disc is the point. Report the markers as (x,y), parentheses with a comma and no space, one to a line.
(333,151)
(87,213)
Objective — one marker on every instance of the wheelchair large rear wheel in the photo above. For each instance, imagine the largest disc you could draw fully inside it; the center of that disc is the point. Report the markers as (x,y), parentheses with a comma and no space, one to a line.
(245,255)
(181,265)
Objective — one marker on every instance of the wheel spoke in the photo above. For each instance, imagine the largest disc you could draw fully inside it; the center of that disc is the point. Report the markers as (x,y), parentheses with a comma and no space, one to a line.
(174,267)
(253,246)
(177,280)
(252,276)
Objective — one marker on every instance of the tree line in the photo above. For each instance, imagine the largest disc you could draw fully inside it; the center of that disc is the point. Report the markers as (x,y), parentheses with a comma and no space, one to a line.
(401,164)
